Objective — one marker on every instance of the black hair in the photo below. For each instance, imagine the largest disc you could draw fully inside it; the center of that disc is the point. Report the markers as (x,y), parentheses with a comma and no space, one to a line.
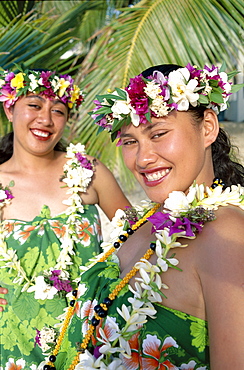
(226,166)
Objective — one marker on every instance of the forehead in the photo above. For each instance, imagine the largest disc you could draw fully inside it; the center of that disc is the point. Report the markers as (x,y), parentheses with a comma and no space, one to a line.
(173,120)
(41,98)
(145,127)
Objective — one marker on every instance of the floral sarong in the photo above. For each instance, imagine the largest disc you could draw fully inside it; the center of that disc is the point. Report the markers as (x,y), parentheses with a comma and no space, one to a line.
(38,245)
(172,340)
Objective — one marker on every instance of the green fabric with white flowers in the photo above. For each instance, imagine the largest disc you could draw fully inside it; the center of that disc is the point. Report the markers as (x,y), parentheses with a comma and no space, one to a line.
(172,340)
(38,245)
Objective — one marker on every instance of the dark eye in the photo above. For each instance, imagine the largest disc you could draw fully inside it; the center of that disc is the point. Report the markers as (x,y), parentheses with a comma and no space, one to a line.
(34,106)
(58,111)
(158,134)
(129,142)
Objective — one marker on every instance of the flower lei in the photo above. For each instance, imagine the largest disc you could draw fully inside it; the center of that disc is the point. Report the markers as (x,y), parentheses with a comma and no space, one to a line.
(78,172)
(46,83)
(5,194)
(183,216)
(158,95)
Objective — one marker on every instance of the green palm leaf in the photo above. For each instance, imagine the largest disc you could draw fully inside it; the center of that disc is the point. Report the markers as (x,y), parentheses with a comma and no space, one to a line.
(151,33)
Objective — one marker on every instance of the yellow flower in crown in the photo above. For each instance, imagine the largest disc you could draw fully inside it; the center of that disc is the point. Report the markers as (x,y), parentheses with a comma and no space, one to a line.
(75,94)
(18,81)
(63,84)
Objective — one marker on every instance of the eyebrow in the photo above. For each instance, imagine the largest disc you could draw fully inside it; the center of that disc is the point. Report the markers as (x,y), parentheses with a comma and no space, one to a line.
(43,100)
(145,129)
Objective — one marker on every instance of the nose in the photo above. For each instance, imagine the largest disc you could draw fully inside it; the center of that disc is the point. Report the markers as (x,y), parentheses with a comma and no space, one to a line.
(145,155)
(45,117)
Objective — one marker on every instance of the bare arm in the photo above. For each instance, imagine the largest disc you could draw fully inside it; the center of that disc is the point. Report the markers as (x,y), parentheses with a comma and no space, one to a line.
(2,300)
(110,195)
(222,277)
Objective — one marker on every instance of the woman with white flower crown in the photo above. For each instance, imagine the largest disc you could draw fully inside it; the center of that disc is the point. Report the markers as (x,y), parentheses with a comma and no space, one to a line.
(49,224)
(168,291)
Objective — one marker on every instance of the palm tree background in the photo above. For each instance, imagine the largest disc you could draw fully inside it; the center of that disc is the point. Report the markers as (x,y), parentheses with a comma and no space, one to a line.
(103,43)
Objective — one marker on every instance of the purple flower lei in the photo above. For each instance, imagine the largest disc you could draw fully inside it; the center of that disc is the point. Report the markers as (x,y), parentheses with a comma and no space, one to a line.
(84,162)
(7,193)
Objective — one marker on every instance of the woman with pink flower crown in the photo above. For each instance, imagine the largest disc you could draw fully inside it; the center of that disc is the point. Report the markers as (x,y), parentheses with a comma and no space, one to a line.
(168,291)
(49,224)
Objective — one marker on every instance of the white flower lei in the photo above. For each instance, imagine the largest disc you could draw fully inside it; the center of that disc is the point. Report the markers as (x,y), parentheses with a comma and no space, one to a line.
(148,286)
(77,179)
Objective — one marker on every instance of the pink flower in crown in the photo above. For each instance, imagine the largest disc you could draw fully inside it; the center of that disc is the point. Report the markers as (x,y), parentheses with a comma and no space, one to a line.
(45,79)
(138,97)
(194,72)
(9,76)
(68,78)
(159,78)
(8,96)
(64,99)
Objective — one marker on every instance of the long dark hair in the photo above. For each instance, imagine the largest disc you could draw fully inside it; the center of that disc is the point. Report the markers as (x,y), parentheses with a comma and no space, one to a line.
(6,147)
(226,166)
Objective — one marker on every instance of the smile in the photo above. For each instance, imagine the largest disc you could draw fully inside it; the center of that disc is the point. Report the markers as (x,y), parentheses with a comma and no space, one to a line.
(40,133)
(156,175)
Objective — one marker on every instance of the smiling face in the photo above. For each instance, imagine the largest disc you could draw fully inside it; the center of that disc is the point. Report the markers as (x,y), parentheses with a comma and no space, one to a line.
(170,153)
(38,123)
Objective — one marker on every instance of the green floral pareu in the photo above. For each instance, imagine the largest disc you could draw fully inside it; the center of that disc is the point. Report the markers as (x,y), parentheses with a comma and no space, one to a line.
(37,245)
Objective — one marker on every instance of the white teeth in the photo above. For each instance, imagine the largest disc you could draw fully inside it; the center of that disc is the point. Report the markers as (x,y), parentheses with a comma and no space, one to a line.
(40,133)
(156,175)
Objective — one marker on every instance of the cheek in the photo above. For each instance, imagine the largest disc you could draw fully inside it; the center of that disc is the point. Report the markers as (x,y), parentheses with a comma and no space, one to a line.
(128,157)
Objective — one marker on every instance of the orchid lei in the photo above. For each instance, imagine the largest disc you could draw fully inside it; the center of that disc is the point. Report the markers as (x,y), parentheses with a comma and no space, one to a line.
(158,95)
(46,83)
(183,216)
(78,172)
(5,194)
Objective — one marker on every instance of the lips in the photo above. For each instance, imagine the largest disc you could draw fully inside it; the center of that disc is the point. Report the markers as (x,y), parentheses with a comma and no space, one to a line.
(41,134)
(153,178)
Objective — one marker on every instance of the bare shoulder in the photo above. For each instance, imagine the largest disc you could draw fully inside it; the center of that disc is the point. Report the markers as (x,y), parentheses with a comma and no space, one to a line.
(220,267)
(222,240)
(226,229)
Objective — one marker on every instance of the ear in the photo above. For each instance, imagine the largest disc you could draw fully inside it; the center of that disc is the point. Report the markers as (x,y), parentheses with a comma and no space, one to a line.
(210,127)
(9,112)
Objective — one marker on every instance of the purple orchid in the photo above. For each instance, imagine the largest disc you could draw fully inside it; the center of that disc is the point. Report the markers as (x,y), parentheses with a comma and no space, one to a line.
(9,194)
(185,225)
(160,220)
(60,284)
(84,162)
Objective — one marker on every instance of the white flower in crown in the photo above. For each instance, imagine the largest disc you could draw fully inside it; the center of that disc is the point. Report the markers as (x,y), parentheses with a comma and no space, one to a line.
(183,89)
(34,82)
(152,89)
(123,107)
(159,106)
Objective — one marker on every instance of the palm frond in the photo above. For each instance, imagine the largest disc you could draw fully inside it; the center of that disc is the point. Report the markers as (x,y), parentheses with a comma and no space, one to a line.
(151,33)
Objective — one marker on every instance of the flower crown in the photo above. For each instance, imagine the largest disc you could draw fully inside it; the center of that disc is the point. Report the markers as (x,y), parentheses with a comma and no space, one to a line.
(46,83)
(158,95)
